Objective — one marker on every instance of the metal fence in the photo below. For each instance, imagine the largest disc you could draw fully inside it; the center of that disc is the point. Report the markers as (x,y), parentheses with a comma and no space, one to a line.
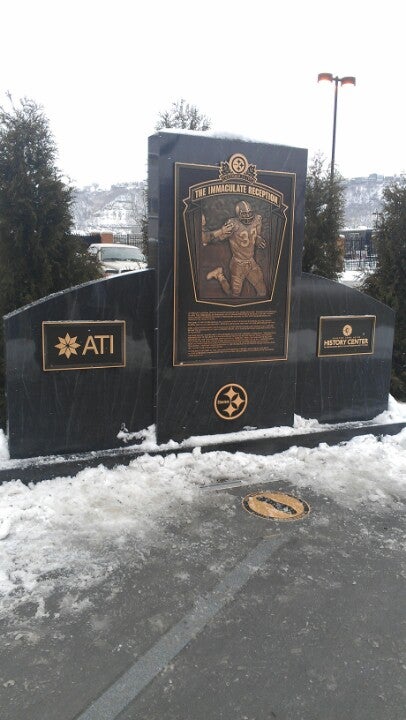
(128,239)
(364,263)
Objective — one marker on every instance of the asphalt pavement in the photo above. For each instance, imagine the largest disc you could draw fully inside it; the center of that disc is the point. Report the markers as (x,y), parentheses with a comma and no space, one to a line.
(228,617)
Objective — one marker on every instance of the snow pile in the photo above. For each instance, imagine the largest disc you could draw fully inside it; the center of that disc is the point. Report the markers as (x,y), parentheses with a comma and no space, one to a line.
(4,453)
(396,413)
(62,537)
(145,440)
(67,533)
(352,278)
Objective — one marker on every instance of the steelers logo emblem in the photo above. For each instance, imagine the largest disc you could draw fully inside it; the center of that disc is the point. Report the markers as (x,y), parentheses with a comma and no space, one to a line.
(347,330)
(230,401)
(238,163)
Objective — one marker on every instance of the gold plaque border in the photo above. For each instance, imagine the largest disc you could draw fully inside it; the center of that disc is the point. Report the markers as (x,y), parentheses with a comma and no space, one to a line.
(344,318)
(238,361)
(85,322)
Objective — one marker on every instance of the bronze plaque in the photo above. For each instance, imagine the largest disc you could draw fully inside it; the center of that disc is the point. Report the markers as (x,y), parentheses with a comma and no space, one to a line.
(346,335)
(232,262)
(83,345)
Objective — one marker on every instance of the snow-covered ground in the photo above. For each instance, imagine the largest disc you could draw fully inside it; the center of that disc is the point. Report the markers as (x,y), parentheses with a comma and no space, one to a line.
(64,536)
(353,278)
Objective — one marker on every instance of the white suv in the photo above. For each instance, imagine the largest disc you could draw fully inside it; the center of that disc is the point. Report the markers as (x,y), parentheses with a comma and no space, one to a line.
(116,258)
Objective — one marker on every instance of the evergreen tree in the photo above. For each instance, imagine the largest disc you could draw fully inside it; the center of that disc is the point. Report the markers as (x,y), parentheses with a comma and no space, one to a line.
(324,211)
(182,116)
(388,282)
(37,254)
(144,221)
(36,249)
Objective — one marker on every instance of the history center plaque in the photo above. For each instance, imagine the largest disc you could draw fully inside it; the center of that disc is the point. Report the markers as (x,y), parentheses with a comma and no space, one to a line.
(346,335)
(232,262)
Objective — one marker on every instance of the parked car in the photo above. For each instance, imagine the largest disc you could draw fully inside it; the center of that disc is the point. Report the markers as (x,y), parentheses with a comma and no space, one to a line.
(116,258)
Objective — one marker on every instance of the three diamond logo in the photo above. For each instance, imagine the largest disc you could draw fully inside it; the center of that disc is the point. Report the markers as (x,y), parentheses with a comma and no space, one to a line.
(230,401)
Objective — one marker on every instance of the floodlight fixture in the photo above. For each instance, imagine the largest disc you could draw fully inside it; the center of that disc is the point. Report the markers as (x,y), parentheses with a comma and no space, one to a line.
(346,80)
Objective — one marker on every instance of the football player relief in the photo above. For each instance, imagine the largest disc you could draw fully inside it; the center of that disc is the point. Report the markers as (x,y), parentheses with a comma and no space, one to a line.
(235,229)
(243,232)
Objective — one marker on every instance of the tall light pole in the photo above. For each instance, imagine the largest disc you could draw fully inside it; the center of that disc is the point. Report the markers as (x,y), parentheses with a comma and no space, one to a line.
(348,80)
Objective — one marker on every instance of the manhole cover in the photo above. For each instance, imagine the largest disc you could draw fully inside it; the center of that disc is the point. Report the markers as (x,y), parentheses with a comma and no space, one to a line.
(275,505)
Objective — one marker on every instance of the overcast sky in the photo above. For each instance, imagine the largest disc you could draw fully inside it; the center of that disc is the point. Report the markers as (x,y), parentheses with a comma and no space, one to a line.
(103,71)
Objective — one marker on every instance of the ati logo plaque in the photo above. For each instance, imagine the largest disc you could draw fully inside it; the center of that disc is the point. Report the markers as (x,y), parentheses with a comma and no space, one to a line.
(230,401)
(83,345)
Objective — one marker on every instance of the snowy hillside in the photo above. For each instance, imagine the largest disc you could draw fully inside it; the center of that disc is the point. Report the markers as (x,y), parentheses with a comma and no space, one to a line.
(117,210)
(363,199)
(120,208)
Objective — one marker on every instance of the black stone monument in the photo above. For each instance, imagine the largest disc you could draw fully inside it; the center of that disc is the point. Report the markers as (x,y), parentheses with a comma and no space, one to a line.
(226,232)
(79,366)
(223,332)
(345,342)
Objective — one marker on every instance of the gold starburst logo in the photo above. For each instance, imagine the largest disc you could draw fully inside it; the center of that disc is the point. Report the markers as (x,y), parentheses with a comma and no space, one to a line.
(67,345)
